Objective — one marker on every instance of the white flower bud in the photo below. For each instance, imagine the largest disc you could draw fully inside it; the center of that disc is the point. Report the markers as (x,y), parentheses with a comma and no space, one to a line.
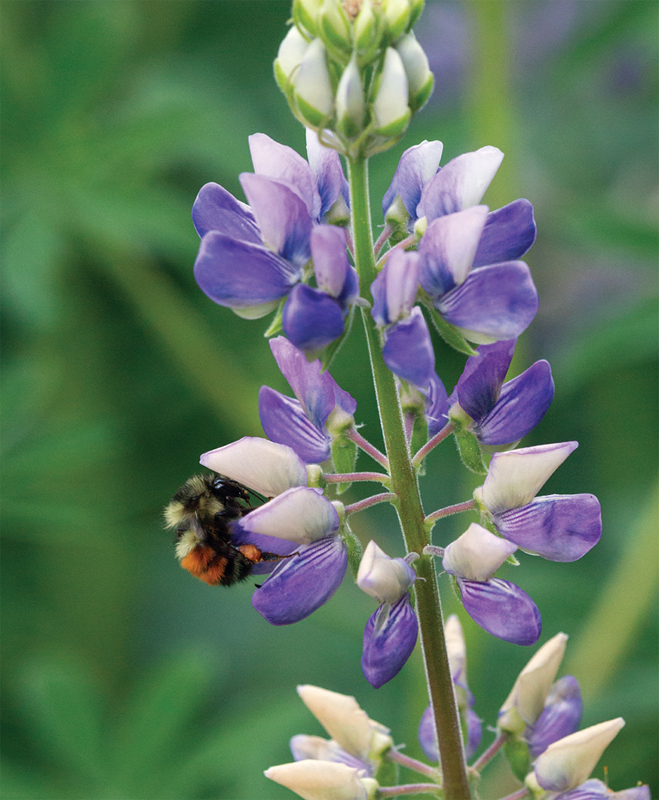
(313,87)
(384,578)
(455,645)
(290,55)
(397,16)
(477,554)
(350,105)
(320,780)
(568,762)
(305,14)
(334,25)
(419,77)
(345,721)
(527,697)
(390,106)
(365,28)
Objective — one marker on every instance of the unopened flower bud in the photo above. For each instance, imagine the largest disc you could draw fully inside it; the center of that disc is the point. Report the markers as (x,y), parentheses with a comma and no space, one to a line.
(334,25)
(313,87)
(390,106)
(416,7)
(397,16)
(384,578)
(419,77)
(527,697)
(569,761)
(305,15)
(365,27)
(320,780)
(477,554)
(290,55)
(455,646)
(350,106)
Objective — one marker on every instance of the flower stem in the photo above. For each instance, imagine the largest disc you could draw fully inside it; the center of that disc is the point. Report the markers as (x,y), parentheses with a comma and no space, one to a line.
(382,238)
(446,512)
(408,505)
(400,246)
(432,443)
(368,502)
(352,477)
(367,447)
(412,763)
(491,751)
(518,795)
(409,788)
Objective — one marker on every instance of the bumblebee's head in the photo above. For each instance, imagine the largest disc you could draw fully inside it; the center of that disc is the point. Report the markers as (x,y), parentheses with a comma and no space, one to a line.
(205,496)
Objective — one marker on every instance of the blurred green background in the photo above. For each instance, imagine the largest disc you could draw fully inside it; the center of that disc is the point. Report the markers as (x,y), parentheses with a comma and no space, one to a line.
(124,678)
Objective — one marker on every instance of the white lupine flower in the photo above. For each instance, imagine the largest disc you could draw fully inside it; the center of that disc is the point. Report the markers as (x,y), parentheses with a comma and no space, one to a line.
(477,554)
(391,102)
(322,780)
(313,87)
(346,723)
(291,52)
(527,697)
(383,578)
(455,646)
(350,103)
(417,69)
(568,762)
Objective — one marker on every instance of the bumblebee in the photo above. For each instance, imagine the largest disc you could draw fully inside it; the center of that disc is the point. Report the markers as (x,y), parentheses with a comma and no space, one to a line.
(202,511)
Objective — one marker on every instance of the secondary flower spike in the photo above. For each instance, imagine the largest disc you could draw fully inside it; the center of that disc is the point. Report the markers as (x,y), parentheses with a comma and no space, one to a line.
(556,527)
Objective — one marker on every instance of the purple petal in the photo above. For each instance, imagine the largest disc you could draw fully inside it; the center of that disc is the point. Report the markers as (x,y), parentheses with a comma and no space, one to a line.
(502,609)
(330,260)
(284,421)
(460,184)
(561,715)
(522,404)
(428,735)
(447,249)
(311,319)
(498,301)
(282,216)
(241,275)
(556,527)
(408,350)
(301,584)
(634,793)
(437,407)
(350,291)
(509,233)
(480,384)
(474,733)
(394,290)
(283,164)
(265,543)
(215,209)
(326,166)
(314,388)
(416,167)
(388,643)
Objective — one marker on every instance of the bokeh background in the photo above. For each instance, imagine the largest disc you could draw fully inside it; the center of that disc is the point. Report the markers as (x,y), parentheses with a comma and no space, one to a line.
(125,679)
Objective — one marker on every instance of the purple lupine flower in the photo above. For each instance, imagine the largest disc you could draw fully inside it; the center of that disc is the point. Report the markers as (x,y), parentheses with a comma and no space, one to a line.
(560,717)
(502,413)
(391,632)
(252,256)
(498,606)
(321,407)
(457,657)
(485,304)
(298,522)
(407,350)
(430,191)
(319,749)
(556,527)
(596,790)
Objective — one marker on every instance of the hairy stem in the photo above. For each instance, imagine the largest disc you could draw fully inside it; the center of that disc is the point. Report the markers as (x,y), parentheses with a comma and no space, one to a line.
(360,505)
(353,477)
(412,763)
(491,751)
(409,788)
(367,447)
(432,443)
(446,512)
(408,504)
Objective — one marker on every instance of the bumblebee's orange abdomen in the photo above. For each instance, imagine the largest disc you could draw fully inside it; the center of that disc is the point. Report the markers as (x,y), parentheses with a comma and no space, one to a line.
(203,563)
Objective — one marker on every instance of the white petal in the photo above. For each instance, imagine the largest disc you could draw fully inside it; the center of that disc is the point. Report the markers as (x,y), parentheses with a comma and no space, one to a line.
(391,101)
(291,51)
(319,780)
(298,515)
(527,697)
(264,466)
(515,477)
(455,645)
(569,761)
(477,554)
(384,578)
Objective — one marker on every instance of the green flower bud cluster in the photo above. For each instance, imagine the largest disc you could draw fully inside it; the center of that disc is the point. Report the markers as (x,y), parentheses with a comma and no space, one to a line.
(353,71)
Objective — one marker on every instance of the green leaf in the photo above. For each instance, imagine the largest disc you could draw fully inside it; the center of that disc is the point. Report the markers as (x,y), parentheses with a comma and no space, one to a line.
(470,451)
(449,333)
(344,456)
(275,326)
(355,549)
(519,758)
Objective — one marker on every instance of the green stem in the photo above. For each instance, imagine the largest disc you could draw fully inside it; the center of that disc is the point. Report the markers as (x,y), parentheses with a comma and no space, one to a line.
(408,505)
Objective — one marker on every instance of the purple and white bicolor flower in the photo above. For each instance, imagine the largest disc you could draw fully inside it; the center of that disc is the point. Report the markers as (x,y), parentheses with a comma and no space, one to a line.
(427,190)
(498,606)
(560,717)
(597,790)
(298,522)
(391,632)
(407,349)
(556,527)
(457,658)
(320,411)
(252,256)
(500,413)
